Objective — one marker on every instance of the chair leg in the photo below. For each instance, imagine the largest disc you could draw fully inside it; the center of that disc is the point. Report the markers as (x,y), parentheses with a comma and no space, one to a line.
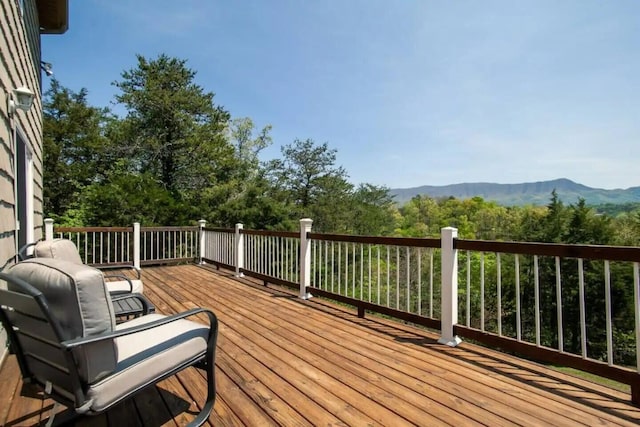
(63,418)
(209,365)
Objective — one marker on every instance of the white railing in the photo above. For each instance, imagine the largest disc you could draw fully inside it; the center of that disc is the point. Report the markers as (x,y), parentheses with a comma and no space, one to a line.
(130,245)
(521,297)
(168,244)
(389,275)
(218,246)
(101,245)
(529,298)
(537,293)
(272,255)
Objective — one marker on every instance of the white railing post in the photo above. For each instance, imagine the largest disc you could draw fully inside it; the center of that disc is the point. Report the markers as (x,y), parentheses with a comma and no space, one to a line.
(449,315)
(305,257)
(203,242)
(239,247)
(136,245)
(48,229)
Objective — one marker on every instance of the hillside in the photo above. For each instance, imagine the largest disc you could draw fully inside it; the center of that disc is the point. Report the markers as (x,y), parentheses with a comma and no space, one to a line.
(529,193)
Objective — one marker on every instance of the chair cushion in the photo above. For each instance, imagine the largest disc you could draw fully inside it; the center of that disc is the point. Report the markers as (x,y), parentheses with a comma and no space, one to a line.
(63,249)
(66,250)
(146,356)
(123,286)
(78,299)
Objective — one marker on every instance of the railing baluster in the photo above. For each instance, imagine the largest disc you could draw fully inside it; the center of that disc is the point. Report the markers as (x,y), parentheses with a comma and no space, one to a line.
(499,292)
(419,281)
(397,277)
(361,271)
(345,270)
(468,301)
(636,298)
(536,284)
(559,305)
(280,257)
(482,291)
(369,265)
(331,276)
(607,299)
(353,270)
(378,272)
(431,283)
(388,300)
(518,308)
(583,321)
(322,272)
(314,256)
(339,268)
(408,280)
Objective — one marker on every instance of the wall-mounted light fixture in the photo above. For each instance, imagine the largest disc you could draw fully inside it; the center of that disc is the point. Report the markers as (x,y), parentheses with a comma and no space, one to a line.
(21,98)
(47,67)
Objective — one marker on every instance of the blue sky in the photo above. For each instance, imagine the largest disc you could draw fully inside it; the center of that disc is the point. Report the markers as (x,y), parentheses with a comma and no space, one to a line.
(412,92)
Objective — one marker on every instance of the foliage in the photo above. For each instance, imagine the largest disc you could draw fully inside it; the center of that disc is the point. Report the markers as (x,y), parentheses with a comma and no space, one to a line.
(170,122)
(616,209)
(74,147)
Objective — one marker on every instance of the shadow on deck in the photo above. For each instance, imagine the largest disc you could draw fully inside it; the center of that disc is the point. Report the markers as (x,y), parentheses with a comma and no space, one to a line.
(285,361)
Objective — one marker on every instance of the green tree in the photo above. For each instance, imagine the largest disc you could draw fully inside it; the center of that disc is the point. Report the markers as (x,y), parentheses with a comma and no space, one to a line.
(126,197)
(247,146)
(373,213)
(247,196)
(74,148)
(307,179)
(173,131)
(627,229)
(420,217)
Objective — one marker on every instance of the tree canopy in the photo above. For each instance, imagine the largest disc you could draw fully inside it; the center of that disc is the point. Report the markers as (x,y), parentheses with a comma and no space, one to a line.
(176,156)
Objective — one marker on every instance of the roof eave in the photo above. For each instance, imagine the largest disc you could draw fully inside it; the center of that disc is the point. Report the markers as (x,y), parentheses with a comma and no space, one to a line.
(53,16)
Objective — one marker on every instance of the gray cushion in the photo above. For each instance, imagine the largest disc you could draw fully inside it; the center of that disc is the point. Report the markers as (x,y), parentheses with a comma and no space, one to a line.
(145,356)
(78,299)
(123,285)
(66,250)
(63,249)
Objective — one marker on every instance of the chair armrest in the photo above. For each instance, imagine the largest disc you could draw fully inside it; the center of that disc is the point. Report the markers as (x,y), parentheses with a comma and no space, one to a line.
(119,267)
(146,304)
(124,278)
(78,342)
(22,253)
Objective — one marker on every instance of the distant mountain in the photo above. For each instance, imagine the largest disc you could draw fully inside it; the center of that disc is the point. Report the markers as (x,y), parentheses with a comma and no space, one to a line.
(529,193)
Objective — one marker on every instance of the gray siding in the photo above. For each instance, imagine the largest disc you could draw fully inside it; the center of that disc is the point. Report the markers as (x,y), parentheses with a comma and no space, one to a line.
(19,66)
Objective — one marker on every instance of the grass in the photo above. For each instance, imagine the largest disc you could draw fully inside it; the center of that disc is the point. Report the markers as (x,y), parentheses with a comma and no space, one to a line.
(594,378)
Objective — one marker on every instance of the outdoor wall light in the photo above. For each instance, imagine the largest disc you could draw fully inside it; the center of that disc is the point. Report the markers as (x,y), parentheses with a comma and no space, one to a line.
(47,67)
(21,98)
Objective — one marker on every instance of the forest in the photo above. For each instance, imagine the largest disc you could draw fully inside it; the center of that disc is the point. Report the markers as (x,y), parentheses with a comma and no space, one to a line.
(176,156)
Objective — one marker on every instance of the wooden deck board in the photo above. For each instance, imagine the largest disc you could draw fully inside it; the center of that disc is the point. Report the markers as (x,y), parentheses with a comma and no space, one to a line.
(284,361)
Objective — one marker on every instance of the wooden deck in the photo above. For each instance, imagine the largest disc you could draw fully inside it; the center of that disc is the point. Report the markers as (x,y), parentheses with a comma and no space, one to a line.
(283,361)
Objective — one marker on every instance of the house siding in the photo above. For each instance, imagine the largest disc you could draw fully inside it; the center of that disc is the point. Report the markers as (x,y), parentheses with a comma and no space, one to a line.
(19,66)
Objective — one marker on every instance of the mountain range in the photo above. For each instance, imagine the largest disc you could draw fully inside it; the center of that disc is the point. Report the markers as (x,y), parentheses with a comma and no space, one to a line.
(528,193)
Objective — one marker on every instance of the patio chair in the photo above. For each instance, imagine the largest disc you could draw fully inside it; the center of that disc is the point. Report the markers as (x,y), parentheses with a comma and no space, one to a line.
(65,249)
(61,327)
